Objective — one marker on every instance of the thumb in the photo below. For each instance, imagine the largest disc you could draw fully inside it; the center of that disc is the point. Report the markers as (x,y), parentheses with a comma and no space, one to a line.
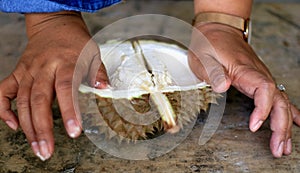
(97,74)
(219,78)
(203,62)
(206,68)
(92,66)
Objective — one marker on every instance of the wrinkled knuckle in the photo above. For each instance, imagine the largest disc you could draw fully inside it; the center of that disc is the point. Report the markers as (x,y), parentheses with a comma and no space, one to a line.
(43,131)
(63,85)
(38,99)
(28,132)
(283,103)
(22,102)
(268,85)
(281,130)
(40,132)
(242,56)
(216,71)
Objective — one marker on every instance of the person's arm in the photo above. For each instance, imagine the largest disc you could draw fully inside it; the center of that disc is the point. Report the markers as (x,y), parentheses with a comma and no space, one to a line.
(45,70)
(235,63)
(56,35)
(233,7)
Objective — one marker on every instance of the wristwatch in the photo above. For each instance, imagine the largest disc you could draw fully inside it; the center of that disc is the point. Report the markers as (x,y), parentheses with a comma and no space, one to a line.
(234,21)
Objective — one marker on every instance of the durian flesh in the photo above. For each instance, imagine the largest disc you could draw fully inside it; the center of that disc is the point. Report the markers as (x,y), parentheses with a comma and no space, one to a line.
(152,90)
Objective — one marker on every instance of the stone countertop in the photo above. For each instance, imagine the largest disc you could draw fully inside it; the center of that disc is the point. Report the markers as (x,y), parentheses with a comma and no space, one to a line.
(233,148)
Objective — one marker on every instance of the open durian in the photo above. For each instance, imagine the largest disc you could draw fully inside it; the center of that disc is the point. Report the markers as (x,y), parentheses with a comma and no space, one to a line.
(152,91)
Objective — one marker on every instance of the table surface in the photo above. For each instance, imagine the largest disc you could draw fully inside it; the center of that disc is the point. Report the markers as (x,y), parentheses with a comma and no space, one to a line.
(233,148)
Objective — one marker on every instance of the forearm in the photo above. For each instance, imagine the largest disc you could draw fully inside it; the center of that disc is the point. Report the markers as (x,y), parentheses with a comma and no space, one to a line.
(240,8)
(60,21)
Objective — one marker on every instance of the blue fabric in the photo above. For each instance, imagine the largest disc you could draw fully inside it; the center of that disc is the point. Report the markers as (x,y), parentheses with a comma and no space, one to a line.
(45,6)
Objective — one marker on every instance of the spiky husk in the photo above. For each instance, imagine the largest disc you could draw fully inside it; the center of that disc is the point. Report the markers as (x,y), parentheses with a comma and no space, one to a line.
(120,118)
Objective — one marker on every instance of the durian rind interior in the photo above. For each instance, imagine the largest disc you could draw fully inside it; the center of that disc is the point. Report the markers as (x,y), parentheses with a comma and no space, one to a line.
(126,111)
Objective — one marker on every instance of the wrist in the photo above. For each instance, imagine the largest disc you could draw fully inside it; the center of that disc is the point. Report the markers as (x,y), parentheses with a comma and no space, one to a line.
(215,28)
(236,22)
(59,21)
(232,7)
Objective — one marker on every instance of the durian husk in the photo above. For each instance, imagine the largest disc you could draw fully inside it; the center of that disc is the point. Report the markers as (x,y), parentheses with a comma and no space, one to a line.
(186,105)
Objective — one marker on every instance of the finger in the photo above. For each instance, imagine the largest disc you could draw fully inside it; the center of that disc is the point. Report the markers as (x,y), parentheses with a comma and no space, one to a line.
(263,100)
(90,64)
(24,111)
(208,69)
(8,91)
(279,125)
(97,74)
(296,114)
(197,67)
(288,141)
(261,89)
(63,87)
(41,101)
(205,57)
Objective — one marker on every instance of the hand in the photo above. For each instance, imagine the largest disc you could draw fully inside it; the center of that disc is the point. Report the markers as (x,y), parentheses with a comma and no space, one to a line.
(46,68)
(233,62)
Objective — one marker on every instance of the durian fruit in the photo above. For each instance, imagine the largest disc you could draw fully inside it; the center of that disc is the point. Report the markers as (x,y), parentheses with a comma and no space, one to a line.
(152,91)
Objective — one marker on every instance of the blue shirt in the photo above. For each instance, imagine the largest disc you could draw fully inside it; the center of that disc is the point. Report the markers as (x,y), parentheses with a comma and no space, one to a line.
(45,6)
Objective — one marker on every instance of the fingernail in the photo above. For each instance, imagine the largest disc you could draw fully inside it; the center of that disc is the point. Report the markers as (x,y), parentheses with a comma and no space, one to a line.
(101,85)
(11,125)
(280,149)
(97,84)
(73,129)
(36,150)
(257,125)
(289,146)
(43,154)
(35,147)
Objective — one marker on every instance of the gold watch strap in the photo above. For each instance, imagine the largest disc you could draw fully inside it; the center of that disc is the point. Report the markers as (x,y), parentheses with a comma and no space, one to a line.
(226,19)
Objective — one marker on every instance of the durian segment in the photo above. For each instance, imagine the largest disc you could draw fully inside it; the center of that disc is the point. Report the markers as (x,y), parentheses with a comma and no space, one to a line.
(131,74)
(165,110)
(159,72)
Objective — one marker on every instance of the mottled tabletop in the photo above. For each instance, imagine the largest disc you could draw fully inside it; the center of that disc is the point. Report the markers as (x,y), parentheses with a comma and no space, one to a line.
(233,148)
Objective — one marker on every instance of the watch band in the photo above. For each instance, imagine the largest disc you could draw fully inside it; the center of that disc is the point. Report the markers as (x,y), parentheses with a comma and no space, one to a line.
(234,21)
